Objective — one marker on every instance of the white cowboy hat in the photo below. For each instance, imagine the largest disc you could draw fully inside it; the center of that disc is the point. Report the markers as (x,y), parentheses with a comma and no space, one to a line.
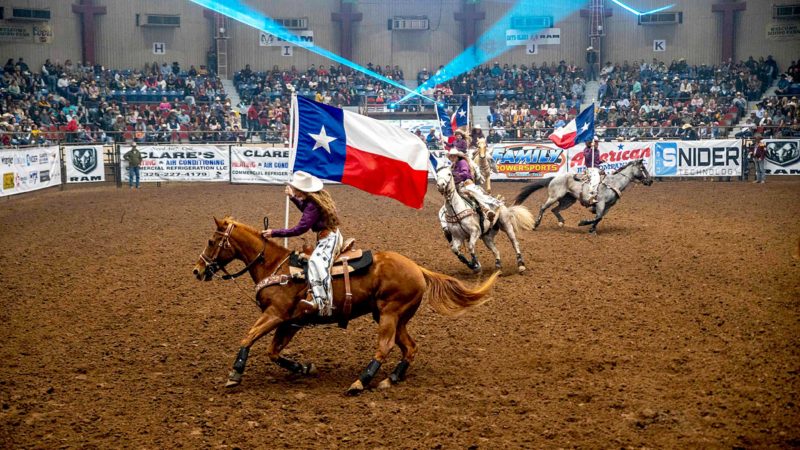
(456,152)
(477,126)
(590,49)
(303,181)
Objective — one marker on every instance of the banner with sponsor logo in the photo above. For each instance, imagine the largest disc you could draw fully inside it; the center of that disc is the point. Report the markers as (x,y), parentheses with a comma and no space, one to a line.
(38,33)
(29,169)
(181,163)
(783,157)
(270,40)
(525,161)
(783,31)
(84,164)
(545,36)
(615,155)
(260,165)
(717,158)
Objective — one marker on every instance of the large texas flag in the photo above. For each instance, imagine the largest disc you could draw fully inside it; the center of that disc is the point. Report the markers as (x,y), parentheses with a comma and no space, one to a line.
(365,153)
(580,129)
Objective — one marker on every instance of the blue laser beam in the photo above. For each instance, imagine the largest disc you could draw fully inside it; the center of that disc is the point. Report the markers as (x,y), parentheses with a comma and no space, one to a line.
(492,43)
(256,19)
(639,13)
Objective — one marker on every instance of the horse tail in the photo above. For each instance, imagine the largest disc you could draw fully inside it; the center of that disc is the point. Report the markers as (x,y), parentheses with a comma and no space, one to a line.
(530,189)
(521,218)
(450,297)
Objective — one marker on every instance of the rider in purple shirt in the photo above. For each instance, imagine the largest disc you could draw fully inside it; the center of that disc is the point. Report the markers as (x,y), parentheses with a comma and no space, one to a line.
(461,172)
(311,220)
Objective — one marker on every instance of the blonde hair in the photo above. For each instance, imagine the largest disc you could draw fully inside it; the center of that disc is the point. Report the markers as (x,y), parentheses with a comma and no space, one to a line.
(327,206)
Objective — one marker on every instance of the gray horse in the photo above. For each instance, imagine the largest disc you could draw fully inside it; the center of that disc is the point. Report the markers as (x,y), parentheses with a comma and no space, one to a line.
(565,190)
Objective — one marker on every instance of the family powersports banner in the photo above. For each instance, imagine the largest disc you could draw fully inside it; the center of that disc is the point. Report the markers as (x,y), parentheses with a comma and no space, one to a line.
(181,163)
(783,157)
(84,164)
(29,169)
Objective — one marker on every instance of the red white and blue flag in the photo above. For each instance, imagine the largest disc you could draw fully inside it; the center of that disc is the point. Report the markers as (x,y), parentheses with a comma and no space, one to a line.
(444,125)
(365,153)
(460,118)
(580,129)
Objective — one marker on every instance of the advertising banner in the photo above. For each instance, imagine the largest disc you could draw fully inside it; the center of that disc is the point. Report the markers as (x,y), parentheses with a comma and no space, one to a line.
(29,169)
(783,157)
(527,161)
(181,163)
(717,158)
(615,155)
(269,40)
(260,165)
(546,36)
(783,31)
(84,164)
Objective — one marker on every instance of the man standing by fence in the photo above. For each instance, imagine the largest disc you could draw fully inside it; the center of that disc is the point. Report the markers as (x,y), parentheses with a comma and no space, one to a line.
(134,159)
(759,154)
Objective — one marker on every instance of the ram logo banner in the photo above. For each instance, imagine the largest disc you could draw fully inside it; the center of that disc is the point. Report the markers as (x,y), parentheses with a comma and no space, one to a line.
(783,157)
(85,164)
(717,158)
(84,159)
(529,160)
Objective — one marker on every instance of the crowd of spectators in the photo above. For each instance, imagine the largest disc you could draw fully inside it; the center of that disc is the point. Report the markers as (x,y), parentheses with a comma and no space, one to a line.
(159,103)
(163,103)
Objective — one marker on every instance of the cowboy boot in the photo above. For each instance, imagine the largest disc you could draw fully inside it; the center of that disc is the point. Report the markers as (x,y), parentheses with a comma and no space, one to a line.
(308,305)
(488,213)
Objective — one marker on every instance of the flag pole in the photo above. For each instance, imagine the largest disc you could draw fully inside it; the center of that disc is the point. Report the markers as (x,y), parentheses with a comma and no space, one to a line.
(292,152)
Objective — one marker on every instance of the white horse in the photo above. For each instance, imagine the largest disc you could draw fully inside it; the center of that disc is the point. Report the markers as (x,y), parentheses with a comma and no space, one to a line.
(565,190)
(462,223)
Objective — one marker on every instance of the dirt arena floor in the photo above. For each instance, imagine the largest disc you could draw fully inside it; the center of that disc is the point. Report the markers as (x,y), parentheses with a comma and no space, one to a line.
(677,326)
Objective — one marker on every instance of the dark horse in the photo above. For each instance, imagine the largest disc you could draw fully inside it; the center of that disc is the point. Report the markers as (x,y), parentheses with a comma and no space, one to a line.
(391,289)
(565,190)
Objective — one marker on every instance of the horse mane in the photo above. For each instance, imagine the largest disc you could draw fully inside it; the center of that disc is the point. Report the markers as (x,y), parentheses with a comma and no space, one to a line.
(630,163)
(229,219)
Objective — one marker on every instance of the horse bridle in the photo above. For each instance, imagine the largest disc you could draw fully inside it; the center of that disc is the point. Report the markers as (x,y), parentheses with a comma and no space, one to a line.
(213,266)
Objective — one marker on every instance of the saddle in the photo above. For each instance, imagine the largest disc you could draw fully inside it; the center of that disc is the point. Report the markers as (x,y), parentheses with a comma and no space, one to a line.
(349,261)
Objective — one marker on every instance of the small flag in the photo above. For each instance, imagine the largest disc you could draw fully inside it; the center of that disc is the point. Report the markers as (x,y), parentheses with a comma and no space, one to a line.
(444,124)
(365,153)
(580,129)
(460,117)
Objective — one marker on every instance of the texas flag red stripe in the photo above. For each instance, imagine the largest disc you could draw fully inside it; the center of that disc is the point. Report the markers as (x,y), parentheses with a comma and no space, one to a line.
(380,175)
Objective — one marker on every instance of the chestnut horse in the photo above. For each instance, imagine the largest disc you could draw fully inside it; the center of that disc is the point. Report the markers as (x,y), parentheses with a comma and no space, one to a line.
(391,289)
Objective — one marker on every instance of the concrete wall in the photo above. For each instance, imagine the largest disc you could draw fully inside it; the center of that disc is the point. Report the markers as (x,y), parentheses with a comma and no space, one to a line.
(122,44)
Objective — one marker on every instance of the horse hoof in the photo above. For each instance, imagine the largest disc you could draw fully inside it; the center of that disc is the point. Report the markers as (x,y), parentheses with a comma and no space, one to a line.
(234,379)
(521,269)
(560,224)
(477,269)
(385,384)
(355,389)
(311,370)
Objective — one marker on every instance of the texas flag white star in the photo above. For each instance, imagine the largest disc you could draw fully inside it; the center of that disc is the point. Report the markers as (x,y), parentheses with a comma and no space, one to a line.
(585,127)
(462,113)
(322,140)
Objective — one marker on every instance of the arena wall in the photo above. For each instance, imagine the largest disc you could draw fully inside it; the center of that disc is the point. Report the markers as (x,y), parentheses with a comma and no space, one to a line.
(121,43)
